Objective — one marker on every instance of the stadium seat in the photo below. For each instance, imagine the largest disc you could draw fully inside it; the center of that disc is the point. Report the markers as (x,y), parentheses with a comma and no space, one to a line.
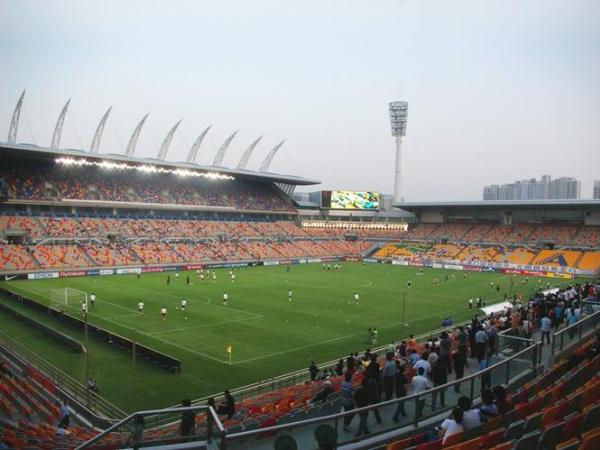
(528,441)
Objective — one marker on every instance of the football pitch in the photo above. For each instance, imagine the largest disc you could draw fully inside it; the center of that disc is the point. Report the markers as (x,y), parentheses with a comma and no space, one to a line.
(268,334)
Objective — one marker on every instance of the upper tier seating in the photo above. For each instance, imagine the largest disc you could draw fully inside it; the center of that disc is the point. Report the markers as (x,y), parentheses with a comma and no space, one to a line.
(44,182)
(590,261)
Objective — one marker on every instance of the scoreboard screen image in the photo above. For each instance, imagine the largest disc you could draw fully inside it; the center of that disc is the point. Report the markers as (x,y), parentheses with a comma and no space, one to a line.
(350,200)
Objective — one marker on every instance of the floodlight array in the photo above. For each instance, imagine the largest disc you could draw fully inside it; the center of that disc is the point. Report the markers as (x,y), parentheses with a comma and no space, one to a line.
(145,168)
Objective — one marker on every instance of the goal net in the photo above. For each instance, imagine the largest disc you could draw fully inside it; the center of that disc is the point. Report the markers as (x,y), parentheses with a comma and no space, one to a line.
(68,298)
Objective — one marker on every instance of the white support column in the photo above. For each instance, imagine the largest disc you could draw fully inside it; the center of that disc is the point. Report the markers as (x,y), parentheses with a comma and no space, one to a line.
(398,172)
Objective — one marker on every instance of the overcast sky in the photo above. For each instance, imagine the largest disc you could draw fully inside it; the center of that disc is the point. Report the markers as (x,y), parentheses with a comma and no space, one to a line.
(498,90)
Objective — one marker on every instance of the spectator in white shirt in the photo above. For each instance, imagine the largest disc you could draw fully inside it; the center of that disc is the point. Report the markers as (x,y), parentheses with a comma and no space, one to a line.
(452,425)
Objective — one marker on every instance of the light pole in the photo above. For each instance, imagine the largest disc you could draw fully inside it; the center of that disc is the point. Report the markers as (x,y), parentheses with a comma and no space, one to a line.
(398,120)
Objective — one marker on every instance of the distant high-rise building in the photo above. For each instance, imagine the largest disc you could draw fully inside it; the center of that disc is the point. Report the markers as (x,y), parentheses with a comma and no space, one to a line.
(563,188)
(597,190)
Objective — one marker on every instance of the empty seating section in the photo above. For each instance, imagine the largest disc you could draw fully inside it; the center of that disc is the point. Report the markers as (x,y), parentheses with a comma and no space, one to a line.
(60,256)
(477,233)
(19,225)
(155,253)
(519,256)
(445,251)
(590,261)
(421,231)
(588,237)
(41,182)
(481,253)
(15,257)
(111,254)
(561,258)
(452,232)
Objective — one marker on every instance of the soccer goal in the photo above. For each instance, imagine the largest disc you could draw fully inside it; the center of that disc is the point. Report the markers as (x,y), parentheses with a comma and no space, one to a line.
(64,298)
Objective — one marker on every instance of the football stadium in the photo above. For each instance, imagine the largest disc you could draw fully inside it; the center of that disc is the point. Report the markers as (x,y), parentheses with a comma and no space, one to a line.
(147,302)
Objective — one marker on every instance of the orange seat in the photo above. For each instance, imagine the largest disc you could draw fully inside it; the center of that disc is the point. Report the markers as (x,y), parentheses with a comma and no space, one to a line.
(591,440)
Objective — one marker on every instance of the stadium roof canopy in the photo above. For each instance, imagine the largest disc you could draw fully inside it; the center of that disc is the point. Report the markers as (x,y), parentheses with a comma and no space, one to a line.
(500,205)
(30,150)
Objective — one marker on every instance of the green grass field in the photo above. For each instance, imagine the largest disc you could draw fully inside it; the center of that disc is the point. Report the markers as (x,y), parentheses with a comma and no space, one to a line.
(269,335)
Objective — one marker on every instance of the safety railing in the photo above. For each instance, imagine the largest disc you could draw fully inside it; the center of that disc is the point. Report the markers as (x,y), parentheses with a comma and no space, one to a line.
(417,407)
(105,410)
(143,429)
(303,376)
(572,334)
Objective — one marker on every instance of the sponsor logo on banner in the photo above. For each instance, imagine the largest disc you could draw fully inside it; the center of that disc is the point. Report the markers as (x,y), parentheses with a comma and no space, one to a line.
(131,270)
(270,263)
(77,273)
(92,272)
(352,258)
(473,268)
(301,261)
(565,276)
(195,266)
(151,269)
(215,266)
(171,269)
(399,262)
(453,266)
(106,272)
(437,266)
(314,260)
(42,275)
(370,260)
(232,265)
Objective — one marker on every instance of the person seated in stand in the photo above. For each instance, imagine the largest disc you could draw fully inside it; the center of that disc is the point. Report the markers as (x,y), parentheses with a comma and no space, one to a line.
(452,425)
(488,409)
(91,385)
(502,404)
(228,406)
(325,392)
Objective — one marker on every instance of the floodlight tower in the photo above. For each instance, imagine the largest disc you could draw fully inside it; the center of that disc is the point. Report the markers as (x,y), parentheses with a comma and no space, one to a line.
(398,119)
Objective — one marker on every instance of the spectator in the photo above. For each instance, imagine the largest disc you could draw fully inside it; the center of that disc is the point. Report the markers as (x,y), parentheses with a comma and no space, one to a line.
(502,404)
(325,392)
(452,425)
(439,377)
(339,368)
(546,326)
(389,372)
(63,414)
(347,393)
(362,398)
(420,383)
(188,420)
(313,370)
(488,409)
(91,385)
(400,383)
(471,417)
(459,361)
(228,407)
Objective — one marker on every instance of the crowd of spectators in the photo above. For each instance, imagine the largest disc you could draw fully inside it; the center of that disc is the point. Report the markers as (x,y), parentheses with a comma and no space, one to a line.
(41,182)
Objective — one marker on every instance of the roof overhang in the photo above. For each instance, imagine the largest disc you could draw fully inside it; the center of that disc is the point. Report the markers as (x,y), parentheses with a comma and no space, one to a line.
(499,205)
(50,153)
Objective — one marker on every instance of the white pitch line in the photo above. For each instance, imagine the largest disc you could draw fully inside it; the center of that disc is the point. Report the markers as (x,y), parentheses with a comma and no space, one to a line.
(204,325)
(145,334)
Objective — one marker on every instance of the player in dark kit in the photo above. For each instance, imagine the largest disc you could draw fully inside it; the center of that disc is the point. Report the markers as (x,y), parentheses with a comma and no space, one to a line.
(168,280)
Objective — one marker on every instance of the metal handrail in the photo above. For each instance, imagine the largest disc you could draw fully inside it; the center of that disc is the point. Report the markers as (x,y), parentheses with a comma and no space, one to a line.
(63,381)
(576,326)
(275,428)
(214,418)
(301,375)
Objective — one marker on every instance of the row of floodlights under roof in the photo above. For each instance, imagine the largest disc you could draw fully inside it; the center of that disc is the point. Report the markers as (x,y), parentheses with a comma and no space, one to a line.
(130,151)
(145,168)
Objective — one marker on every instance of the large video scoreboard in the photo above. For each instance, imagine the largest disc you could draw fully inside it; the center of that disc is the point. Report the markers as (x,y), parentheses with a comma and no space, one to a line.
(367,200)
